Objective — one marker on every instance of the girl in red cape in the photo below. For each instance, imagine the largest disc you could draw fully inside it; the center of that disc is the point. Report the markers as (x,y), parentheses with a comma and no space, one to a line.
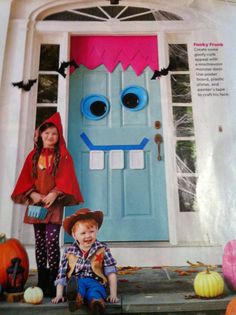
(48,178)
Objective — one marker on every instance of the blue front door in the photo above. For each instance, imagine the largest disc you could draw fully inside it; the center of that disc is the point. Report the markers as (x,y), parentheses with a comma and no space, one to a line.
(116,156)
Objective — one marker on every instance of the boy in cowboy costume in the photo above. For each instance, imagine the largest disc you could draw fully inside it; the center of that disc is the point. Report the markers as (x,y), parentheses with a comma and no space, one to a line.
(87,266)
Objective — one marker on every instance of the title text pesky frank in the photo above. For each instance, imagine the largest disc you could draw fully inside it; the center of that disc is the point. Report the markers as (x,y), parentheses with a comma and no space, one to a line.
(208,44)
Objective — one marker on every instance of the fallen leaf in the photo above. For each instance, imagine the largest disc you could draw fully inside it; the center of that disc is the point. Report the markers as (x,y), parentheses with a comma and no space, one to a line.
(123,280)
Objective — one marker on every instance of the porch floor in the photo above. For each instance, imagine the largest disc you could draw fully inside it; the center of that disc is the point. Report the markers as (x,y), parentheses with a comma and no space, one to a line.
(157,290)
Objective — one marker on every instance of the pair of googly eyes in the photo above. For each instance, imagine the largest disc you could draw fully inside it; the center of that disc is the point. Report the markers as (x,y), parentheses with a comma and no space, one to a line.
(95,106)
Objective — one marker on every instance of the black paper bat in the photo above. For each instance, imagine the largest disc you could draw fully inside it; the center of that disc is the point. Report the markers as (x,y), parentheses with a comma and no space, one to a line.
(158,74)
(66,64)
(25,86)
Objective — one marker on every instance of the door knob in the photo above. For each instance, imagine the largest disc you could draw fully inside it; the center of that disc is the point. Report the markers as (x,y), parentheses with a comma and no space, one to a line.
(158,139)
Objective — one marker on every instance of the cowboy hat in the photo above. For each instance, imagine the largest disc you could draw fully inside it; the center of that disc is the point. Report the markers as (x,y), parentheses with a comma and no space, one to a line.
(82,214)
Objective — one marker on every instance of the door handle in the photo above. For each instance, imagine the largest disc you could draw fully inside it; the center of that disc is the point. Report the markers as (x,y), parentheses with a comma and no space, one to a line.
(158,139)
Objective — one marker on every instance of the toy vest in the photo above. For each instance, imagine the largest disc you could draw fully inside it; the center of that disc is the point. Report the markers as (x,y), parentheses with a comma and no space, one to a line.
(96,264)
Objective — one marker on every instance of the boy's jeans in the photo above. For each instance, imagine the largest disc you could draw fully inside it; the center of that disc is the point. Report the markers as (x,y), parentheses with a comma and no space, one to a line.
(90,288)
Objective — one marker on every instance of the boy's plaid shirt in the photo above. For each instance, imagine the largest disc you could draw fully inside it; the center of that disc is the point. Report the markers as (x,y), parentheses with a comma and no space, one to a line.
(83,266)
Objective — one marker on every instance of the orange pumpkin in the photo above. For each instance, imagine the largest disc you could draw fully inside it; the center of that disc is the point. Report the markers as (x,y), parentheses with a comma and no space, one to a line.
(231,307)
(9,249)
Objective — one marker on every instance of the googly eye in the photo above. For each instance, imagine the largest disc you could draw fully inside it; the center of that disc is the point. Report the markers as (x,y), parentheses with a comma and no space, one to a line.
(94,106)
(134,97)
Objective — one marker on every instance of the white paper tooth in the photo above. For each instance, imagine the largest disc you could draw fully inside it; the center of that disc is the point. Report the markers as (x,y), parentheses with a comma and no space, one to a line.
(136,159)
(116,159)
(96,160)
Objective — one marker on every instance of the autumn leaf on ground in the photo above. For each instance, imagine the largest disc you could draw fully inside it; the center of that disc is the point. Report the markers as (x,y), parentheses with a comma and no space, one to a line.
(123,280)
(127,270)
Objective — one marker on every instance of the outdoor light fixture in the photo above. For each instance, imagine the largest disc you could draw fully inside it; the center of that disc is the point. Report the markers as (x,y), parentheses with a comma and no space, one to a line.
(114,1)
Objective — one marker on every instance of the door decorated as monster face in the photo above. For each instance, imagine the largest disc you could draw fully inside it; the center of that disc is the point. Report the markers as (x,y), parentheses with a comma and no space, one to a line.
(114,115)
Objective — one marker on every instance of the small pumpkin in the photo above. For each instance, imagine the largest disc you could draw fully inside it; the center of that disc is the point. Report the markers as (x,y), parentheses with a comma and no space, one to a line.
(33,295)
(231,307)
(208,284)
(9,249)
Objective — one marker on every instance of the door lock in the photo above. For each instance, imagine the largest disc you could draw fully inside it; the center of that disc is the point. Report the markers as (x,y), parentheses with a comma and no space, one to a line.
(157,124)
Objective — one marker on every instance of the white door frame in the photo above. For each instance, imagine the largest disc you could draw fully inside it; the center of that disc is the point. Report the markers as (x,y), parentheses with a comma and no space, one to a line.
(59,33)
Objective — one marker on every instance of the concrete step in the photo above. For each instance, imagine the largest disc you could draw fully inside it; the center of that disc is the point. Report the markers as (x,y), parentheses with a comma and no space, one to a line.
(171,304)
(147,291)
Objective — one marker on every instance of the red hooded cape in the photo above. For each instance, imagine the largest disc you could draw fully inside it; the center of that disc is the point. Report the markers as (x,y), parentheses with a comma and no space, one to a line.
(65,178)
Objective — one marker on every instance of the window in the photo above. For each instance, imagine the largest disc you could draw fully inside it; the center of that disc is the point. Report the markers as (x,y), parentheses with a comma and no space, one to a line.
(185,149)
(106,13)
(47,96)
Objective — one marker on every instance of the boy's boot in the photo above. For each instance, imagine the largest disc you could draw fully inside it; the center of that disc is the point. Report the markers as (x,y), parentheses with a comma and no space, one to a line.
(74,299)
(97,307)
(43,279)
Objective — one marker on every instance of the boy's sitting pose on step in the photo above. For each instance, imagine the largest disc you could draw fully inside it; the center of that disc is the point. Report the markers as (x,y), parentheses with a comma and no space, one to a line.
(87,266)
